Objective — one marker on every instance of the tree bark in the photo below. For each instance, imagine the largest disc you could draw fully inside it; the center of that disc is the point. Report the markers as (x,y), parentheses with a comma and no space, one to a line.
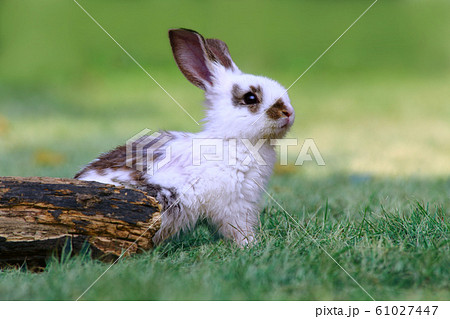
(39,216)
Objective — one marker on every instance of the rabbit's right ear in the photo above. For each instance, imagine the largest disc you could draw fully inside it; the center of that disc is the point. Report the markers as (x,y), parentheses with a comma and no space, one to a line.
(196,57)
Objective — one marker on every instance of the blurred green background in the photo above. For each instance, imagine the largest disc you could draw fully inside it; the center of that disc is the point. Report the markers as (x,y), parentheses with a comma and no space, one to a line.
(376,103)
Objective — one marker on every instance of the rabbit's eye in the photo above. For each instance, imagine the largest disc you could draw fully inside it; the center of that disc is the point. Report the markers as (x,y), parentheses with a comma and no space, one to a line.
(250,98)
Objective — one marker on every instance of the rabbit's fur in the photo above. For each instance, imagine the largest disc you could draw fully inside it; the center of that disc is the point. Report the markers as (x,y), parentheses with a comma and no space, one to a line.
(240,109)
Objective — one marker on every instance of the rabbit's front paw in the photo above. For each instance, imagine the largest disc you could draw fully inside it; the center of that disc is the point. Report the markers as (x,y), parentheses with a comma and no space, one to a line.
(240,232)
(246,241)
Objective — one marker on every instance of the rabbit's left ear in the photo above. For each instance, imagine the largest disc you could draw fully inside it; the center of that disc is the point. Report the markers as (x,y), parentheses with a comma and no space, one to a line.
(197,57)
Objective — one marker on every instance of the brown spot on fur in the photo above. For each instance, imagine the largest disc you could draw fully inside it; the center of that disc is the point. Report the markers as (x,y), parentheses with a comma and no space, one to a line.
(138,177)
(117,158)
(237,97)
(114,159)
(275,112)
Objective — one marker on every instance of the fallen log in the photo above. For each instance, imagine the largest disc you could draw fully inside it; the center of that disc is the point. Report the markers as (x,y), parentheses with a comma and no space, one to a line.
(41,215)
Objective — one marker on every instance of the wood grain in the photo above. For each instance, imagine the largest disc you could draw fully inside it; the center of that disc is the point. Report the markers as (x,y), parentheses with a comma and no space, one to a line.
(39,215)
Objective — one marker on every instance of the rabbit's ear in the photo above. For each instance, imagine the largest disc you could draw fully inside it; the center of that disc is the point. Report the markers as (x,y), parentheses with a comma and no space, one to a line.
(192,56)
(221,53)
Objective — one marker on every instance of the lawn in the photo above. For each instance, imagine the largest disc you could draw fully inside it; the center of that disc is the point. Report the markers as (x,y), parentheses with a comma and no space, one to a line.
(377,106)
(383,232)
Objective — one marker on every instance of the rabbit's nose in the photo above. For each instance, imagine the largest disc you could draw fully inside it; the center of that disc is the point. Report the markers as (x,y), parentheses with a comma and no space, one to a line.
(288,110)
(280,110)
(287,113)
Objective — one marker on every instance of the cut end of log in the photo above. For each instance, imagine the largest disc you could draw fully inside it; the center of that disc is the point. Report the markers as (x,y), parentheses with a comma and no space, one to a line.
(41,215)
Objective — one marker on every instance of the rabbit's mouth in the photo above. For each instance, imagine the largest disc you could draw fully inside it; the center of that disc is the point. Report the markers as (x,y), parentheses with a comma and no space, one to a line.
(286,122)
(281,126)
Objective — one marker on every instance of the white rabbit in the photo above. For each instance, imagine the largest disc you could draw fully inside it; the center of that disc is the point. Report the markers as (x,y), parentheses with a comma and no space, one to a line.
(242,111)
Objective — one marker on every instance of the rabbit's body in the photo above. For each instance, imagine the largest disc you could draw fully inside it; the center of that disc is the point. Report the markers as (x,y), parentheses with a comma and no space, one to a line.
(226,190)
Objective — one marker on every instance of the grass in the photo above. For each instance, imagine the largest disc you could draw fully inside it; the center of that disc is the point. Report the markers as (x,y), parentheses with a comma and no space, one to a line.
(377,106)
(381,231)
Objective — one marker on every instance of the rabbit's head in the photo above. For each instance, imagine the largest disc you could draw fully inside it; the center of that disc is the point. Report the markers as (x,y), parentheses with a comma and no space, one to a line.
(239,105)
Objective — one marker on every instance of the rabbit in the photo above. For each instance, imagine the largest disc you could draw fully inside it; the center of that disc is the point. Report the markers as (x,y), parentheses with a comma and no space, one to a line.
(241,109)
